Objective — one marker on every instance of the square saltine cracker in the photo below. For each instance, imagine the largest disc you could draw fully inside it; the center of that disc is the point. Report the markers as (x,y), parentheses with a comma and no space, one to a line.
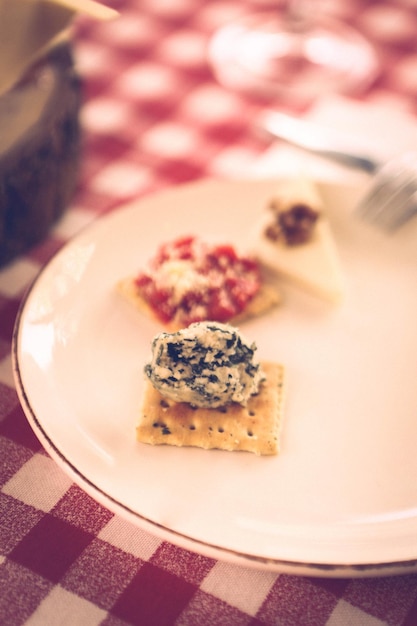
(254,428)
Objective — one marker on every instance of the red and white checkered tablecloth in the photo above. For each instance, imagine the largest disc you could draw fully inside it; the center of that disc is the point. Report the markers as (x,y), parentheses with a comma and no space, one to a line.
(154,116)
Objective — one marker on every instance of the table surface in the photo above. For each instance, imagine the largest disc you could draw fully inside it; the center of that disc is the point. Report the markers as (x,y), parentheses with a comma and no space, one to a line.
(154,117)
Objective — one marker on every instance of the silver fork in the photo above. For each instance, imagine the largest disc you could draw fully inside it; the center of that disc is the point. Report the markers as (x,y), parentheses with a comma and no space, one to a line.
(391,199)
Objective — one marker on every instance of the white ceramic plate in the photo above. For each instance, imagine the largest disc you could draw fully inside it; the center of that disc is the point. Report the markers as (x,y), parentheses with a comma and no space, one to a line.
(341,498)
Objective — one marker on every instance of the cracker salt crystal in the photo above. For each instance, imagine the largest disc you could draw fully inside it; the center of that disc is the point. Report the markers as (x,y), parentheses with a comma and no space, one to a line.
(254,428)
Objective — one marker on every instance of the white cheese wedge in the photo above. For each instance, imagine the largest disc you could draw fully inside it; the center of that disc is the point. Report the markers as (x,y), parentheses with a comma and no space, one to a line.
(313,266)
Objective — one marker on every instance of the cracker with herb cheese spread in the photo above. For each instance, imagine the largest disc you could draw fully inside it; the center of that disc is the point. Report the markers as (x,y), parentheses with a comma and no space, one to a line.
(205,388)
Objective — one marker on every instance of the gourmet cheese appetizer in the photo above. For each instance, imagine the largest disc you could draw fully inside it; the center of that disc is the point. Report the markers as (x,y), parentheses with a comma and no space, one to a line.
(205,388)
(189,280)
(296,241)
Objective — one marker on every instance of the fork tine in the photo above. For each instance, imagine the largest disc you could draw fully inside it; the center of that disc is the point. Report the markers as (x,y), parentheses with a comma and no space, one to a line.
(380,200)
(396,212)
(391,212)
(392,199)
(408,211)
(374,202)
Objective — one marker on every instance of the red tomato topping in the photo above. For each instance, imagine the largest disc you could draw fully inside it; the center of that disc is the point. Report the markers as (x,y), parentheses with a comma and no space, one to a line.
(190,281)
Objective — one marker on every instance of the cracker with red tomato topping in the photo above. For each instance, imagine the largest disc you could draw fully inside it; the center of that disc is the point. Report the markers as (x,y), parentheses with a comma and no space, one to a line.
(189,280)
(255,427)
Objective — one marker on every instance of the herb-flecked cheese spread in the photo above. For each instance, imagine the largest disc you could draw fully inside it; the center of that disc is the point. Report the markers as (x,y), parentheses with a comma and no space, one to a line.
(207,364)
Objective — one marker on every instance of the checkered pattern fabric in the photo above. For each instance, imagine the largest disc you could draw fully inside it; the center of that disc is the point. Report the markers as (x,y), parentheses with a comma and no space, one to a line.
(154,116)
